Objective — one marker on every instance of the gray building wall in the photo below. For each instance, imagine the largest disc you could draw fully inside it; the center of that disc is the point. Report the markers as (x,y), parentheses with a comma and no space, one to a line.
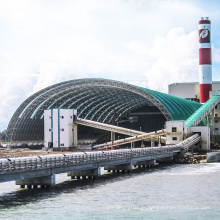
(189,90)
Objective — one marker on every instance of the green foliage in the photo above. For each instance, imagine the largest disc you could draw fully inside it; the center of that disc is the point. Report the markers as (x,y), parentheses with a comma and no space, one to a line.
(214,146)
(3,135)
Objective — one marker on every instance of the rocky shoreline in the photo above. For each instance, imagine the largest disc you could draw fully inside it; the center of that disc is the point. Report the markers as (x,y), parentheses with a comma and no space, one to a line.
(190,158)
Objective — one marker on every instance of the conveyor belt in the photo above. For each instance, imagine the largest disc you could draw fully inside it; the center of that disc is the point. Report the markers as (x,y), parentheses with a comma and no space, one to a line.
(202,112)
(108,127)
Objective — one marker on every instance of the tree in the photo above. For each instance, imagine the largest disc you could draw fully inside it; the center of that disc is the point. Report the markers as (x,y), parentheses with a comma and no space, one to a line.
(3,135)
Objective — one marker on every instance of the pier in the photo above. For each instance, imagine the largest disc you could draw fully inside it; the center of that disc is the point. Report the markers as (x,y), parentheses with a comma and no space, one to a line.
(40,170)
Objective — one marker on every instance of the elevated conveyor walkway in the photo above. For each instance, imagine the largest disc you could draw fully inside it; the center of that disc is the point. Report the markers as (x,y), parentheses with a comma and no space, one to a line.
(136,135)
(129,139)
(108,127)
(202,112)
(186,144)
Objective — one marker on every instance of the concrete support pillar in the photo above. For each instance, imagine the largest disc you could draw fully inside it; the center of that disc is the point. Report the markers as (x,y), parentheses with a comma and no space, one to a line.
(75,135)
(132,145)
(152,142)
(112,136)
(159,141)
(93,173)
(46,181)
(123,167)
(213,125)
(142,143)
(145,163)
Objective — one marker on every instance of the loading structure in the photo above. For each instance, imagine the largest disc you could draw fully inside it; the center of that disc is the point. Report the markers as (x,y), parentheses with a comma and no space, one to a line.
(101,100)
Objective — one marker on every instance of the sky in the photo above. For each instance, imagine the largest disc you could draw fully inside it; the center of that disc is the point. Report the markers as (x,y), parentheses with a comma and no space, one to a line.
(150,43)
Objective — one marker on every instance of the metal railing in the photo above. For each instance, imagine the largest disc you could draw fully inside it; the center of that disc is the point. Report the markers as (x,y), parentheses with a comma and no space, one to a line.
(14,164)
(74,159)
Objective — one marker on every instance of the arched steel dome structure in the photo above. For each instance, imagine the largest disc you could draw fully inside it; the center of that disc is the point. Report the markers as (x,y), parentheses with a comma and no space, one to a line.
(95,99)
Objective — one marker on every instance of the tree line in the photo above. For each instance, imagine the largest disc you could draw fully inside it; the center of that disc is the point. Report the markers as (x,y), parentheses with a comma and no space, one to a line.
(3,135)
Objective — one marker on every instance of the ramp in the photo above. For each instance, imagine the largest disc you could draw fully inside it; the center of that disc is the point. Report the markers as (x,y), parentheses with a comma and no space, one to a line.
(202,112)
(129,140)
(108,127)
(186,144)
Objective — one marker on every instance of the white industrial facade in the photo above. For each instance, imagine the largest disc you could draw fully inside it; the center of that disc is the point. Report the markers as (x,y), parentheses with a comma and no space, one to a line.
(175,132)
(204,132)
(58,129)
(189,90)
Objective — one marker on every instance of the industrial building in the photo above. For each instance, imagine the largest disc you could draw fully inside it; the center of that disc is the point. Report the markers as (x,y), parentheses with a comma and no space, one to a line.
(47,117)
(100,100)
(189,90)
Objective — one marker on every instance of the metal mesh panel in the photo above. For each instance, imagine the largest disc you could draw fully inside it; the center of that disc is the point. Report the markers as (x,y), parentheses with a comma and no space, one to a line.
(200,112)
(95,99)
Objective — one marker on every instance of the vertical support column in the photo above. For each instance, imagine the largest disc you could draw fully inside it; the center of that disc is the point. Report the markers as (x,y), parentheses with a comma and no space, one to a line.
(112,136)
(52,126)
(213,125)
(132,144)
(75,135)
(159,141)
(58,127)
(152,142)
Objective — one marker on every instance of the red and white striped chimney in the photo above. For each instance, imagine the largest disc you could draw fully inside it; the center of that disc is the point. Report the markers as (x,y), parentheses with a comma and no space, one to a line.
(205,59)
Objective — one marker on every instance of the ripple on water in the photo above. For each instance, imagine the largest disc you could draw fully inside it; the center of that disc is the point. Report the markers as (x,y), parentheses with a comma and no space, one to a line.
(165,192)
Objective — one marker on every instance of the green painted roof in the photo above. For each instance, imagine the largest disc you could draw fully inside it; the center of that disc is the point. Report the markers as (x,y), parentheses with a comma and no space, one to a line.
(94,99)
(200,111)
(178,108)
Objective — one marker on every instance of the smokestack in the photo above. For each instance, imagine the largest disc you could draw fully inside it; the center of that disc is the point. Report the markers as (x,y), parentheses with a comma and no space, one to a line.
(205,59)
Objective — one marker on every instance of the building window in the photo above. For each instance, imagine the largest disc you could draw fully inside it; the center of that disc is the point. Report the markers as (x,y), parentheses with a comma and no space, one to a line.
(49,129)
(62,129)
(216,129)
(216,121)
(62,145)
(216,107)
(174,129)
(50,117)
(174,138)
(62,116)
(216,115)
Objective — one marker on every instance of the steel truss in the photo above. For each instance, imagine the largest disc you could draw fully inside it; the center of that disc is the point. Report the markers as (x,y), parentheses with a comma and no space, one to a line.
(95,99)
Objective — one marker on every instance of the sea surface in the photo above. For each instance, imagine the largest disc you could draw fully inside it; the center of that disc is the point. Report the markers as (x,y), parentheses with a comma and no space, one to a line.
(162,192)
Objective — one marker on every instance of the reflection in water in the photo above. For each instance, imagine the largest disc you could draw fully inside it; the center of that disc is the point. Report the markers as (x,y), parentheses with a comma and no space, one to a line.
(24,196)
(162,192)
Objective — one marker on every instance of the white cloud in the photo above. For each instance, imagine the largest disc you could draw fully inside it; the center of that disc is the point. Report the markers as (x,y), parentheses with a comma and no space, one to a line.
(12,93)
(176,59)
(45,42)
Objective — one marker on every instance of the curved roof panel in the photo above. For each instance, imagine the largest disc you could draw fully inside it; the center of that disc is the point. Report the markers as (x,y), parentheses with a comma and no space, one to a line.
(178,108)
(95,99)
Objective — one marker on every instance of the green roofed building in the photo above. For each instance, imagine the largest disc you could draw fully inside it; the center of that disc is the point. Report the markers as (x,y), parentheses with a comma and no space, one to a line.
(101,100)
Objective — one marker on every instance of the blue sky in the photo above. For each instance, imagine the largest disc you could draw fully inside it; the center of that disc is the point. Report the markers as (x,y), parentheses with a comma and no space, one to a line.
(150,43)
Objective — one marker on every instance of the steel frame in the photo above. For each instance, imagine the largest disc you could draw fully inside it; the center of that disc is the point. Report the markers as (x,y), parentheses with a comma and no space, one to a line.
(95,99)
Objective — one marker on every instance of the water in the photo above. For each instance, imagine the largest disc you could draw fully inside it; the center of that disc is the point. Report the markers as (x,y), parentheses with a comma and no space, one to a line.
(164,192)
